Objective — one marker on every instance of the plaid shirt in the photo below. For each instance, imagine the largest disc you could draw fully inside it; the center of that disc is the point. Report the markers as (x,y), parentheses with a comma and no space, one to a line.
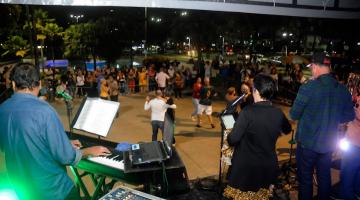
(320,106)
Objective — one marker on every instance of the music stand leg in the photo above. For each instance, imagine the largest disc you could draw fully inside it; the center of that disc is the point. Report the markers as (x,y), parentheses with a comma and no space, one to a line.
(69,115)
(289,164)
(79,182)
(220,164)
(98,188)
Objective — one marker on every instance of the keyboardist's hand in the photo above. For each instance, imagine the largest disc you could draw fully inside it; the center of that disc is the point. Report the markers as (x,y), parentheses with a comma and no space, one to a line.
(95,151)
(76,144)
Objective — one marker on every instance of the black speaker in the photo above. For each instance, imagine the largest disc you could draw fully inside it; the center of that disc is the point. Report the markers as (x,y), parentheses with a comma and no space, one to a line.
(173,183)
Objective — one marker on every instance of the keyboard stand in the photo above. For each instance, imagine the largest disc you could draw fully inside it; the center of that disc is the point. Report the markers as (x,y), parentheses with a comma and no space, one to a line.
(101,187)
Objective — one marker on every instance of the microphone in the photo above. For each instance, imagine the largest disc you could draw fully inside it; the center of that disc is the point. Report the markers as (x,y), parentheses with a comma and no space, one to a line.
(233,104)
(238,99)
(65,95)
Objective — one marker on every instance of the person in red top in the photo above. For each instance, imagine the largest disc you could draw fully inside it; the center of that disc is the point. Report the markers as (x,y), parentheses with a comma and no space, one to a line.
(196,97)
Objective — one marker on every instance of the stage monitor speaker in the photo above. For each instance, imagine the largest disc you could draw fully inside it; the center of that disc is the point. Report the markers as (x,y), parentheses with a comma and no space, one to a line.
(177,183)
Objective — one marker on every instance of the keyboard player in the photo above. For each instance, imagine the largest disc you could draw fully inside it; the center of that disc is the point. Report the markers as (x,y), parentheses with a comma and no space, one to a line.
(34,142)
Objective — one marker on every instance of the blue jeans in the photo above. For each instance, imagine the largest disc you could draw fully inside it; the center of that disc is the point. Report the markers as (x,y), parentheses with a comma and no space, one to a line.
(350,173)
(306,161)
(156,125)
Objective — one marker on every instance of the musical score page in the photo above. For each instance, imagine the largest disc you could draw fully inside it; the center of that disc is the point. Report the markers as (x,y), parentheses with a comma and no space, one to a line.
(97,116)
(228,121)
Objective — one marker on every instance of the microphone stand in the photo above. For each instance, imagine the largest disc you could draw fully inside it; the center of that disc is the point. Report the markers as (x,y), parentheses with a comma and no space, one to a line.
(222,138)
(69,114)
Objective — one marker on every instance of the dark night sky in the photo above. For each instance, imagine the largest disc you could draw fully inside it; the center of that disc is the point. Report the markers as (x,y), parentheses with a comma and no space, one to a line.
(62,15)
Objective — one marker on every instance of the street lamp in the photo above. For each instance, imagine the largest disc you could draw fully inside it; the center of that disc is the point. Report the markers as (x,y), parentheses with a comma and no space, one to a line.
(77,17)
(156,19)
(284,36)
(223,44)
(188,38)
(184,13)
(41,47)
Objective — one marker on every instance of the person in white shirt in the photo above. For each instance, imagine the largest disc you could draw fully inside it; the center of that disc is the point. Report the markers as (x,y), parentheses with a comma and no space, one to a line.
(158,108)
(80,82)
(161,78)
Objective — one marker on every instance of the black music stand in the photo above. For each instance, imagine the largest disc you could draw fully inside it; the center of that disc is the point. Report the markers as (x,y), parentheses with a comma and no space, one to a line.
(225,112)
(94,116)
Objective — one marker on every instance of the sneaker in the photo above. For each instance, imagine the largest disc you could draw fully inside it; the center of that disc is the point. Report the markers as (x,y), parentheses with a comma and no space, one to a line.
(197,125)
(212,126)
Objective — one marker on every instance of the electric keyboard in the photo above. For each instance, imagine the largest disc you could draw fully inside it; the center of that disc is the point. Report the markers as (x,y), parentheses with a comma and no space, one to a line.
(114,160)
(109,166)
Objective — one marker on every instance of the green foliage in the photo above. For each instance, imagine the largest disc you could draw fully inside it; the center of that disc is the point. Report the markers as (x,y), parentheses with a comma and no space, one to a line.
(41,18)
(79,40)
(13,44)
(52,30)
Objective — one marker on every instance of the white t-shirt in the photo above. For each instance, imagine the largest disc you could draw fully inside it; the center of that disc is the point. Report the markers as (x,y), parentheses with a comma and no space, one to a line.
(158,109)
(161,78)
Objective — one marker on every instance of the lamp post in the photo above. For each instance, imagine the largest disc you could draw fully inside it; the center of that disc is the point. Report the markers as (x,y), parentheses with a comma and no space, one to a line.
(145,27)
(286,36)
(77,17)
(41,47)
(189,45)
(223,44)
(188,38)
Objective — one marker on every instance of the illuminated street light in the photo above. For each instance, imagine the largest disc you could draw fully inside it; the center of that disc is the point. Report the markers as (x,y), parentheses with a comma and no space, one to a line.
(188,38)
(77,17)
(184,13)
(156,19)
(223,44)
(285,36)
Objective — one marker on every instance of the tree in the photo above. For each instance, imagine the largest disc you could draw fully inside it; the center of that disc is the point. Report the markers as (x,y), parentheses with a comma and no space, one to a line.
(45,27)
(52,30)
(80,41)
(11,31)
(15,45)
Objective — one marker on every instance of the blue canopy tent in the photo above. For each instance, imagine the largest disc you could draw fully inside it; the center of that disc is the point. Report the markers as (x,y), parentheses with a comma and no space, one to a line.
(56,63)
(90,65)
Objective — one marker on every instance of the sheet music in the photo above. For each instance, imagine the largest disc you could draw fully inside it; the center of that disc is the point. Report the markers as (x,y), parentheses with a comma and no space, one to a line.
(228,121)
(97,116)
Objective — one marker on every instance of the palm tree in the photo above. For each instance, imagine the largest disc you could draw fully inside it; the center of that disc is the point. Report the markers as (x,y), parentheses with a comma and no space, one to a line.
(80,41)
(52,30)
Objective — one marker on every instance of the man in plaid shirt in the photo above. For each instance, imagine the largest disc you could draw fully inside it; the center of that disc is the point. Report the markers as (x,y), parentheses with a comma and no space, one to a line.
(320,106)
